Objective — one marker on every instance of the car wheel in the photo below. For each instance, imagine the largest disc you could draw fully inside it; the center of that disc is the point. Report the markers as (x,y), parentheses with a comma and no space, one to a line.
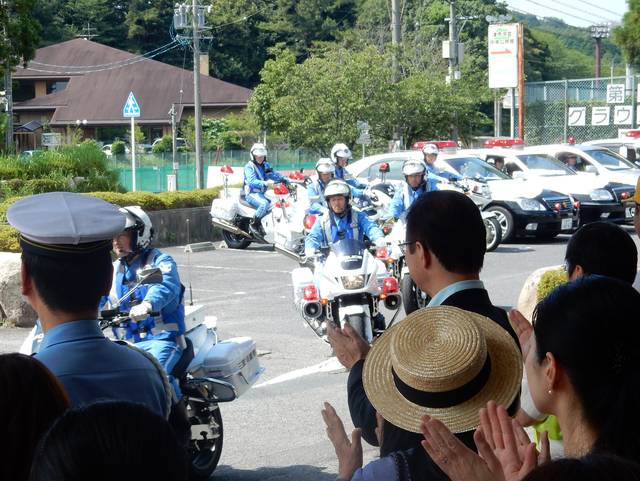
(505,219)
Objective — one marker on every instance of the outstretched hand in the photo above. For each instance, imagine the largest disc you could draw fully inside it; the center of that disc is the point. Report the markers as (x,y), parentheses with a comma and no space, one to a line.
(347,344)
(349,452)
(523,329)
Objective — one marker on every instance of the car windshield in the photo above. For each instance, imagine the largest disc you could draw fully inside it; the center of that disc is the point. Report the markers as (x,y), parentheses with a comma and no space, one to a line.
(545,165)
(395,169)
(610,160)
(475,168)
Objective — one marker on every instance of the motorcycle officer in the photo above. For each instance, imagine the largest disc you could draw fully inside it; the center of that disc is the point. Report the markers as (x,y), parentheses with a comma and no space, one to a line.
(162,336)
(315,190)
(430,152)
(417,182)
(340,155)
(341,221)
(258,176)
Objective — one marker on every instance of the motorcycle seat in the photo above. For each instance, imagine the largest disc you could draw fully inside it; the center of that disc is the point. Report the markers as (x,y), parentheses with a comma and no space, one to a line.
(185,359)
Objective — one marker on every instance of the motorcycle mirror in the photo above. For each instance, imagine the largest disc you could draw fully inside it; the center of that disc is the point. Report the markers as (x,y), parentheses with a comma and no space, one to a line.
(149,275)
(222,391)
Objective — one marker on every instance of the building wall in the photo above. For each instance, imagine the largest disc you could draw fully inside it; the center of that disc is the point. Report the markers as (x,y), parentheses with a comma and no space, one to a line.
(44,117)
(41,88)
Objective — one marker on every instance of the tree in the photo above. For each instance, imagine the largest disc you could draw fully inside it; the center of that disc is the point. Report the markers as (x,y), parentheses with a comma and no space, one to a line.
(20,31)
(627,35)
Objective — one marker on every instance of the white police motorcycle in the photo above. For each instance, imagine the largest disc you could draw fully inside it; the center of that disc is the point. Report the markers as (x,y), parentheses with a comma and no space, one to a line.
(283,225)
(210,371)
(348,286)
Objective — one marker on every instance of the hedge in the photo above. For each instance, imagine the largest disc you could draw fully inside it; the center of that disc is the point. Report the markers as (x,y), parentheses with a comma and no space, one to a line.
(146,200)
(549,281)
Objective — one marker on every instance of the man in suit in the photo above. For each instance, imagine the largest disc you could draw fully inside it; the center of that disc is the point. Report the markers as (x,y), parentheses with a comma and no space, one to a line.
(444,252)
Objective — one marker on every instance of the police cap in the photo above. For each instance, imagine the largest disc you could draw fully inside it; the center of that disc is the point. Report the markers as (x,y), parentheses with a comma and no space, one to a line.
(65,225)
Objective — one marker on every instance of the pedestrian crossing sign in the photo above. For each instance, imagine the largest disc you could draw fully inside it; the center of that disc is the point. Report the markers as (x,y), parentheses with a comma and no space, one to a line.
(131,107)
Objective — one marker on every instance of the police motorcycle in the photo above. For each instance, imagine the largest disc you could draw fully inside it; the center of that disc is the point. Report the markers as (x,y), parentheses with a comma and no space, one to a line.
(210,371)
(345,282)
(283,225)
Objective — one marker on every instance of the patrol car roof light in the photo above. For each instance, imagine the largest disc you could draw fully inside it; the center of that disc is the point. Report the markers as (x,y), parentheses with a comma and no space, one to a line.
(503,142)
(443,145)
(635,134)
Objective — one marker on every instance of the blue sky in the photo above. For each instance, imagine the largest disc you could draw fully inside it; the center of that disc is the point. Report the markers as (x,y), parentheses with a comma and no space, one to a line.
(580,13)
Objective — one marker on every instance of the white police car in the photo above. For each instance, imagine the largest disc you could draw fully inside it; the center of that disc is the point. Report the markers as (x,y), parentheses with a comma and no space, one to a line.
(522,208)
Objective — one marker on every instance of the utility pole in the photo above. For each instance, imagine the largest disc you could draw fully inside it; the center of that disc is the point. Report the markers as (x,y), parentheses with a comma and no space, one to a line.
(8,84)
(453,42)
(395,36)
(521,81)
(181,16)
(174,146)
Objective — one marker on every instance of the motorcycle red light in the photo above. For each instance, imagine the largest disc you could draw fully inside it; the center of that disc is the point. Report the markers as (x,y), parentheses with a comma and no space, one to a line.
(557,206)
(309,220)
(571,140)
(281,189)
(278,204)
(386,230)
(384,167)
(311,293)
(625,195)
(576,204)
(296,175)
(226,169)
(382,253)
(390,285)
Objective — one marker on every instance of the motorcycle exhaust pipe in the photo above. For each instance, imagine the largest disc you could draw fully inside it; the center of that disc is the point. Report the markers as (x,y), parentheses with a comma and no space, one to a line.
(290,254)
(392,302)
(224,225)
(312,309)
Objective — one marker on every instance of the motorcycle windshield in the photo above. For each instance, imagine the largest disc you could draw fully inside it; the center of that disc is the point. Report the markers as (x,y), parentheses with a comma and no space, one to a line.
(350,252)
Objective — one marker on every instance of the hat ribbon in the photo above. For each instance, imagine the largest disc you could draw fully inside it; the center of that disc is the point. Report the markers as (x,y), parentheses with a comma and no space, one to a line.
(444,399)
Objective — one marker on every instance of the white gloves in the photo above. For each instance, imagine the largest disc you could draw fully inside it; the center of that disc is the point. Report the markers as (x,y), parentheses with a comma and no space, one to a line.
(140,311)
(269,182)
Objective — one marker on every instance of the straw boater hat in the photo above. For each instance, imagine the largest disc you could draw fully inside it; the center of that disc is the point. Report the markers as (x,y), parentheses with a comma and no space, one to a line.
(444,362)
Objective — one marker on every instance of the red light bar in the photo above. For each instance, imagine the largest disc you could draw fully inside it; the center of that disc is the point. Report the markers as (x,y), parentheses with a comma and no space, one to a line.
(503,142)
(632,133)
(441,144)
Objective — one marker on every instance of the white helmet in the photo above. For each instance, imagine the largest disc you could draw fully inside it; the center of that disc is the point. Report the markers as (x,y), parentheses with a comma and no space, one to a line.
(340,150)
(337,187)
(140,224)
(258,150)
(325,166)
(413,167)
(430,149)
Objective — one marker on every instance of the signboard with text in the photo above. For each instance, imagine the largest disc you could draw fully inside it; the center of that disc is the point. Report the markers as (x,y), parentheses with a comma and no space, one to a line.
(503,56)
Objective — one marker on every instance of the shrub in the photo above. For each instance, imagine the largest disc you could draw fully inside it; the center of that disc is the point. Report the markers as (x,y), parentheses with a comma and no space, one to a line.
(39,186)
(165,145)
(549,281)
(9,239)
(117,148)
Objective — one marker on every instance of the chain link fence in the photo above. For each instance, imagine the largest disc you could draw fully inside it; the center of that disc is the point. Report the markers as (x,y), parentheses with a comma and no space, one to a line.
(586,109)
(152,169)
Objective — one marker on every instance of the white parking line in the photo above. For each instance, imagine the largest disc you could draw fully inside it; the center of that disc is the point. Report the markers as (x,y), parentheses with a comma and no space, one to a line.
(330,365)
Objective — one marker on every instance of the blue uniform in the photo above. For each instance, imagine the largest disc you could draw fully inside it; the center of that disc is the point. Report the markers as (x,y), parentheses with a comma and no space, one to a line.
(162,333)
(341,228)
(405,196)
(357,188)
(315,193)
(92,368)
(442,173)
(255,185)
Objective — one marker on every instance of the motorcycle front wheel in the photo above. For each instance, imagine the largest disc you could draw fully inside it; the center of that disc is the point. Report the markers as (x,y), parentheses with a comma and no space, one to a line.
(204,454)
(357,322)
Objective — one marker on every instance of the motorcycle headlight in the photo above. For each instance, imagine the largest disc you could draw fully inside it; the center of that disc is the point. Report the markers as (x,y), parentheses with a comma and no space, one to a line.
(529,204)
(600,194)
(353,282)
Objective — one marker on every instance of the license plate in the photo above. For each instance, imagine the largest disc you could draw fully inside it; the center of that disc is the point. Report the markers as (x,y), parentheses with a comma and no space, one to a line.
(566,224)
(629,212)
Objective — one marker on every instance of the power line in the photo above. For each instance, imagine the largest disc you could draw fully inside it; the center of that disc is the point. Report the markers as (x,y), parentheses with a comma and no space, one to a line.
(149,54)
(77,72)
(560,11)
(600,18)
(617,14)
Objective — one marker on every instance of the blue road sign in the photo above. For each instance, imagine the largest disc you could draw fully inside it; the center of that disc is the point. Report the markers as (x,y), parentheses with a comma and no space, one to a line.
(131,107)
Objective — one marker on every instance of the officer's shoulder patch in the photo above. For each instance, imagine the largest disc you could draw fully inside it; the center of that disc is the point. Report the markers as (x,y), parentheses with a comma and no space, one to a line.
(165,267)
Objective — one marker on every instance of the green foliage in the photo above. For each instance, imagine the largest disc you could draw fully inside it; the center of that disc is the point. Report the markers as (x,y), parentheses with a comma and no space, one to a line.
(9,239)
(165,145)
(216,134)
(117,147)
(549,281)
(627,35)
(23,31)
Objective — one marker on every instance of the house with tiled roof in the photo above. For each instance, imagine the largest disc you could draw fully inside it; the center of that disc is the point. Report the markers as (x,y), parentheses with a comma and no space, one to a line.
(85,83)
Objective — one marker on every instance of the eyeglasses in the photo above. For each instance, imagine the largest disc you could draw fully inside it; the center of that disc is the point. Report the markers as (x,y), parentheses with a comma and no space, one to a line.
(403,246)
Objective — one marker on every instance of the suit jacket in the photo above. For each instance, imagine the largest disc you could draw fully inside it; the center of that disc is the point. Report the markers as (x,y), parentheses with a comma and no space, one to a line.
(363,414)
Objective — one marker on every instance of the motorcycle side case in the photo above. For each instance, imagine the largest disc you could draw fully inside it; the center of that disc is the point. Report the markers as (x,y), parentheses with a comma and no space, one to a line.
(225,209)
(235,361)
